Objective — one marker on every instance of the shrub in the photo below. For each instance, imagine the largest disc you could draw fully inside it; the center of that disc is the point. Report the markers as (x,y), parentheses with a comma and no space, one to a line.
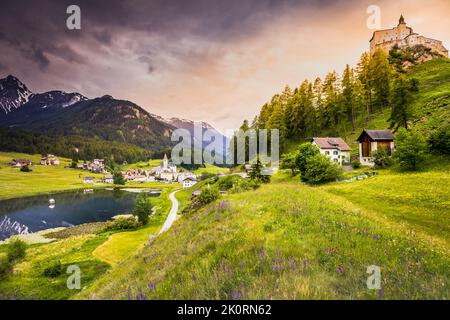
(227,182)
(206,175)
(245,185)
(288,161)
(142,208)
(356,164)
(411,149)
(5,266)
(118,178)
(257,172)
(53,270)
(25,169)
(320,169)
(122,223)
(304,152)
(16,250)
(439,141)
(381,158)
(207,195)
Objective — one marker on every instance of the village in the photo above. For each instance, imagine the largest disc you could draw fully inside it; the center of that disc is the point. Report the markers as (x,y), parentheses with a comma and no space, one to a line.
(335,148)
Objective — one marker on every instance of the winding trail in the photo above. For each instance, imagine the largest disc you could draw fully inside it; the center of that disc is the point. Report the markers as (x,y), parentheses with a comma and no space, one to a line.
(172,214)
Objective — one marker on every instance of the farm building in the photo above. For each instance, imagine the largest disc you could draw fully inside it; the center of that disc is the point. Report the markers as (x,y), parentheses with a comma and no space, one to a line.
(371,140)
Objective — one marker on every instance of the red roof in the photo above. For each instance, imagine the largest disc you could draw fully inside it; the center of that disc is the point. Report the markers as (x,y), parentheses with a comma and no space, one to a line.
(332,143)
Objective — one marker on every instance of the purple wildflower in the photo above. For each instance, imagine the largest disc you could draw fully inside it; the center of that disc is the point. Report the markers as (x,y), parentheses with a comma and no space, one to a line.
(341,269)
(375,237)
(380,292)
(234,295)
(263,253)
(194,278)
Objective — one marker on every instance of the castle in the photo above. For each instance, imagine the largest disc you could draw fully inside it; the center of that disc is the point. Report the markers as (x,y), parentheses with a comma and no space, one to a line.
(403,36)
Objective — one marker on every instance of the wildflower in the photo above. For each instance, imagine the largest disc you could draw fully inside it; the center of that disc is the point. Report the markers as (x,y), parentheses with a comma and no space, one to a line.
(151,286)
(305,264)
(262,254)
(194,278)
(380,292)
(234,295)
(341,269)
(375,237)
(274,266)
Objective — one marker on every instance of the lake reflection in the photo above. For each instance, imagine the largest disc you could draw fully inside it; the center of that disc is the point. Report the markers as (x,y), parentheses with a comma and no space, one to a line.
(69,208)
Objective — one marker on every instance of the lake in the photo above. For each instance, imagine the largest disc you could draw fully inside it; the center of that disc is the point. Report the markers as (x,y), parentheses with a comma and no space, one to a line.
(31,214)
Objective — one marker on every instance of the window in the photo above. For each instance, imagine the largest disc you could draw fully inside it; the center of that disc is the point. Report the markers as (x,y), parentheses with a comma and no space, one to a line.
(327,153)
(335,153)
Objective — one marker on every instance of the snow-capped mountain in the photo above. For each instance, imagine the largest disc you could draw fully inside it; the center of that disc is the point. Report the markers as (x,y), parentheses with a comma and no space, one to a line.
(13,94)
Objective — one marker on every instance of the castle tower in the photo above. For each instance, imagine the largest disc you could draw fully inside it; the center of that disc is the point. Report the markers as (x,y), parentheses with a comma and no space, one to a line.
(401,20)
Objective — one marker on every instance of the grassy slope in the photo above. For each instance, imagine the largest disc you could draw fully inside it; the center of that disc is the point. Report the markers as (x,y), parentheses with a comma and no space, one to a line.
(121,246)
(43,179)
(27,281)
(287,240)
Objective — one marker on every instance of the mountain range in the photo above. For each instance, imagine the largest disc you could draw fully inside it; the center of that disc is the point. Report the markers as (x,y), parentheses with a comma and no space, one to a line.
(103,118)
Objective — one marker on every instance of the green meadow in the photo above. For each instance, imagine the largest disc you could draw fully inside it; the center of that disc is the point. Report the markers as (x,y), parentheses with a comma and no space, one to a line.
(288,240)
(43,179)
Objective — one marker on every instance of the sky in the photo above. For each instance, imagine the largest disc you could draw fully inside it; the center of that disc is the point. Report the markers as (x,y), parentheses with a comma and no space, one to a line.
(210,60)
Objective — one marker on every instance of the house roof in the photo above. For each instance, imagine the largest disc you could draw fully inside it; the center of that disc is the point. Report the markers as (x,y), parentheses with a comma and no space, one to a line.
(332,143)
(189,178)
(377,135)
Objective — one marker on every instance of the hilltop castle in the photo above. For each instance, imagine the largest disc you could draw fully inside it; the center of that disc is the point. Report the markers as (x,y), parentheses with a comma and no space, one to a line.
(403,36)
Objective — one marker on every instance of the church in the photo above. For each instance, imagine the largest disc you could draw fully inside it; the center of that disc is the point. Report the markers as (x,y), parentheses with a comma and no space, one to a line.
(166,170)
(403,36)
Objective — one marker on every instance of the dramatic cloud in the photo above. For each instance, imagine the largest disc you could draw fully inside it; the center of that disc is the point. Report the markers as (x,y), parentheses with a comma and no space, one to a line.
(210,60)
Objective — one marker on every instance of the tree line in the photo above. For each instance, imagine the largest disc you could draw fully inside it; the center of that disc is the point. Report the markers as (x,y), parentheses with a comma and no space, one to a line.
(74,147)
(338,104)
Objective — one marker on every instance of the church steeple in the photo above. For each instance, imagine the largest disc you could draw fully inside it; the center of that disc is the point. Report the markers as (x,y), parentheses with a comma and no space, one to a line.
(401,20)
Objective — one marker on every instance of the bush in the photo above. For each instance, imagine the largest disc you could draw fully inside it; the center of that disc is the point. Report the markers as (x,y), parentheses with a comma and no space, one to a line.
(227,182)
(16,250)
(142,208)
(122,223)
(206,175)
(207,195)
(5,266)
(53,270)
(320,169)
(411,149)
(246,185)
(381,158)
(288,161)
(304,152)
(25,169)
(118,178)
(439,141)
(356,164)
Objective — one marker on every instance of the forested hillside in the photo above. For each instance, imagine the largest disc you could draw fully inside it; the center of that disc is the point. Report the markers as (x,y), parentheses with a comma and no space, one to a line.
(378,93)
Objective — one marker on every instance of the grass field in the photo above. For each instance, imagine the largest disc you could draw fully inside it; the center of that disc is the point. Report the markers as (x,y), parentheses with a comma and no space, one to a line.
(120,246)
(43,179)
(28,282)
(288,240)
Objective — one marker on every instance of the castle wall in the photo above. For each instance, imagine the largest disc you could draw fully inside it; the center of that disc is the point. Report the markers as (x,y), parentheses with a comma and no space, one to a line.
(403,36)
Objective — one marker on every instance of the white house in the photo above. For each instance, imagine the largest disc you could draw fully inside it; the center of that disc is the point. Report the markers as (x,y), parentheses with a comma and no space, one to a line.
(371,140)
(88,180)
(108,179)
(335,148)
(189,182)
(50,160)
